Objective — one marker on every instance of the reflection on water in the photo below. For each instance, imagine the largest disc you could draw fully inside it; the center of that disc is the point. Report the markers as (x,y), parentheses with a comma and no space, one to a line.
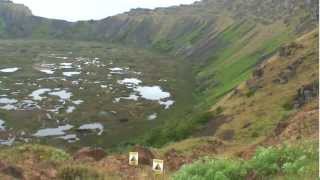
(153,116)
(70,74)
(70,109)
(130,81)
(153,93)
(63,94)
(167,104)
(69,137)
(7,101)
(7,142)
(2,127)
(47,71)
(9,70)
(93,126)
(60,130)
(36,95)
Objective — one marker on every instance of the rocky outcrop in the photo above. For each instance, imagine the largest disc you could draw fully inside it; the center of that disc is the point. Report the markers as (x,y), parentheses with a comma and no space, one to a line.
(289,49)
(288,72)
(306,93)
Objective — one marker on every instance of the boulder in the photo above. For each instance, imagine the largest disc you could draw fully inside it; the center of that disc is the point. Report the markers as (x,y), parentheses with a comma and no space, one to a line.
(90,153)
(258,73)
(289,49)
(305,94)
(145,155)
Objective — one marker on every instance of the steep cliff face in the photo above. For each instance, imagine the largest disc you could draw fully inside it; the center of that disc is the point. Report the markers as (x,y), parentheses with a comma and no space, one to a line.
(191,30)
(11,15)
(187,29)
(17,21)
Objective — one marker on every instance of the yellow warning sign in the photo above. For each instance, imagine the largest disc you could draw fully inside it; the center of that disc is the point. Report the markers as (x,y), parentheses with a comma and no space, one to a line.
(157,166)
(133,158)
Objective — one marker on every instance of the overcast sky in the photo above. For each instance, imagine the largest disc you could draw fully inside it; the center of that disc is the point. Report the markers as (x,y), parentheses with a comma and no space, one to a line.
(73,10)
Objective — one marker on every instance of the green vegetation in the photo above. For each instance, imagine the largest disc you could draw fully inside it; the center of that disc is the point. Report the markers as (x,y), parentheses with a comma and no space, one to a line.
(2,26)
(233,62)
(163,45)
(43,153)
(78,172)
(287,162)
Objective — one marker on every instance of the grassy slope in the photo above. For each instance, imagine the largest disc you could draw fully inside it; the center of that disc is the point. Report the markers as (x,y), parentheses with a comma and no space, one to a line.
(247,44)
(241,46)
(263,110)
(265,107)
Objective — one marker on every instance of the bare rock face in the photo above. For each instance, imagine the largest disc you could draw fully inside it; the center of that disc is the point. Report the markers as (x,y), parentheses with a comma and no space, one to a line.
(90,153)
(288,72)
(145,155)
(306,93)
(258,73)
(289,49)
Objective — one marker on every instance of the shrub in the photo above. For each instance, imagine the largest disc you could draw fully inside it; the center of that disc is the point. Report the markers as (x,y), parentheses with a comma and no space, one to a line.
(215,169)
(250,93)
(44,152)
(288,106)
(287,160)
(79,173)
(205,117)
(267,163)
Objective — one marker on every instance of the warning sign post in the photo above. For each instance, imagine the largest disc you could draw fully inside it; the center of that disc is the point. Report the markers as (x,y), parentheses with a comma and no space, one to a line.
(133,158)
(157,166)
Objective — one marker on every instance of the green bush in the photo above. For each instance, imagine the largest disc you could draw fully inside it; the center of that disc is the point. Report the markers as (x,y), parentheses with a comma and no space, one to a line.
(215,169)
(267,163)
(288,105)
(79,173)
(44,152)
(250,93)
(287,160)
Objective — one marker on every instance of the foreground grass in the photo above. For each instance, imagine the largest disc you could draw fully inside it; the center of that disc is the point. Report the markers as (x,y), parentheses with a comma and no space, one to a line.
(286,162)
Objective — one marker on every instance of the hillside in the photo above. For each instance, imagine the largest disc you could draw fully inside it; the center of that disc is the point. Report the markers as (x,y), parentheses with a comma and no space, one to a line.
(243,74)
(288,131)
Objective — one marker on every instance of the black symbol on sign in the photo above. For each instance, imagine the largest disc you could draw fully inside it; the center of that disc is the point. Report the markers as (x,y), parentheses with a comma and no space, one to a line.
(158,168)
(133,159)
